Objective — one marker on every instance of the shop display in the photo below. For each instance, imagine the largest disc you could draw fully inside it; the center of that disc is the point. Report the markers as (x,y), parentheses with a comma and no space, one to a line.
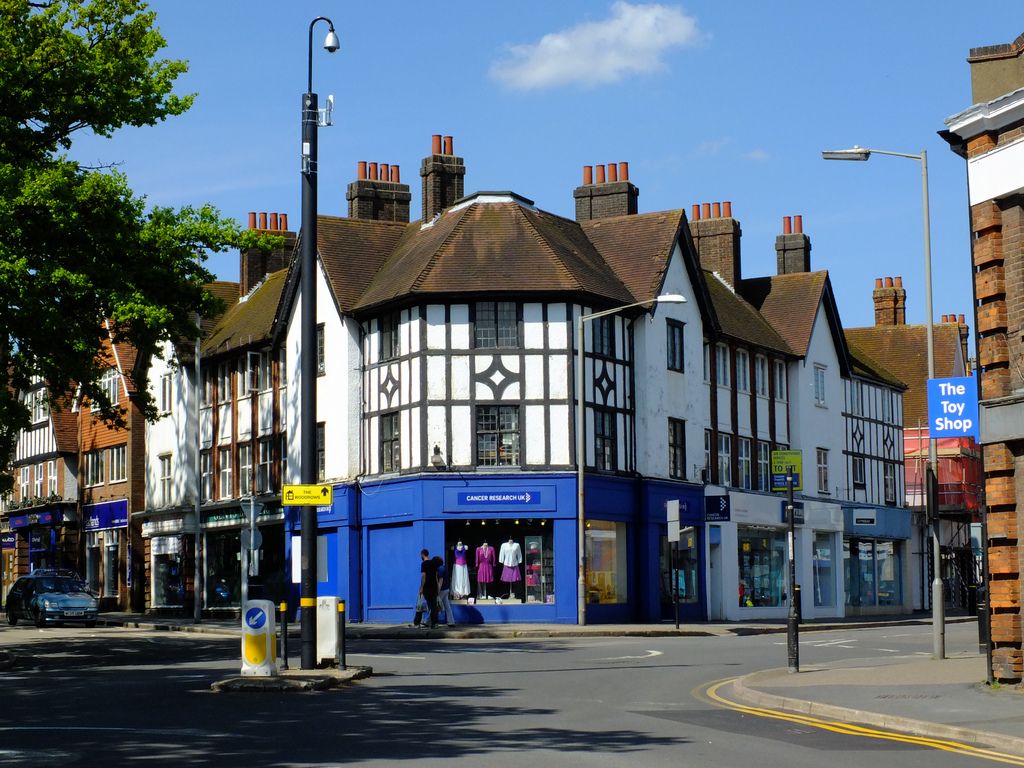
(460,573)
(484,568)
(510,556)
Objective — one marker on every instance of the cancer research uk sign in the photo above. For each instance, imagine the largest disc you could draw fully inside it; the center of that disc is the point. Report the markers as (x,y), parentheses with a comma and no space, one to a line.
(953,407)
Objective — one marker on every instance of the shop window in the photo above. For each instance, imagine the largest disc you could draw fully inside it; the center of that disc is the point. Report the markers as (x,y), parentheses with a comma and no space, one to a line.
(92,561)
(497,435)
(532,581)
(167,567)
(390,443)
(762,564)
(119,463)
(685,568)
(607,573)
(824,569)
(677,449)
(223,571)
(674,332)
(495,325)
(605,454)
(873,572)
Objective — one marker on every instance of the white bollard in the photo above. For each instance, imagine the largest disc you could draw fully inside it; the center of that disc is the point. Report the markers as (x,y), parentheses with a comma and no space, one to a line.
(259,641)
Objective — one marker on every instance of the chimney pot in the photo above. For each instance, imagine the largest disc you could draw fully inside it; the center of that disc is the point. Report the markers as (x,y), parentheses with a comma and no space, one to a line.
(727,209)
(716,210)
(695,212)
(435,144)
(588,175)
(284,221)
(448,148)
(613,172)
(798,224)
(899,281)
(705,210)
(373,172)
(263,219)
(878,283)
(787,225)
(623,171)
(273,222)
(944,319)
(600,173)
(396,176)
(961,320)
(252,219)
(385,172)
(888,282)
(361,170)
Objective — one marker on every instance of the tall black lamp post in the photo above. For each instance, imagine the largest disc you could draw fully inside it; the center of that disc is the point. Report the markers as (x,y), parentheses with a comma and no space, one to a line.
(308,350)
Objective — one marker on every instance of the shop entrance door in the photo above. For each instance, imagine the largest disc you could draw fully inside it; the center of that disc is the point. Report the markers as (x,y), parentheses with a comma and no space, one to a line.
(7,571)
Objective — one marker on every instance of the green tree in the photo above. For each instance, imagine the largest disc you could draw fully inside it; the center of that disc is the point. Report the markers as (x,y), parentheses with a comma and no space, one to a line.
(76,245)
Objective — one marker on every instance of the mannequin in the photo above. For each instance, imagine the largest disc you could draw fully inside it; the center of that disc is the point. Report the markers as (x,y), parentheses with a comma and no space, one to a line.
(510,556)
(484,568)
(460,574)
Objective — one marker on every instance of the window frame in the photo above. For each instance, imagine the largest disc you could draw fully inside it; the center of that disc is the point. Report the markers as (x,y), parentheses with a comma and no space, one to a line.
(606,457)
(118,463)
(724,459)
(93,468)
(389,433)
(498,414)
(206,474)
(166,391)
(764,466)
(677,448)
(821,462)
(742,371)
(857,472)
(723,376)
(37,480)
(225,485)
(264,463)
(321,350)
(819,386)
(744,456)
(245,469)
(321,451)
(761,375)
(165,479)
(51,478)
(675,339)
(781,381)
(602,340)
(889,482)
(492,316)
(389,342)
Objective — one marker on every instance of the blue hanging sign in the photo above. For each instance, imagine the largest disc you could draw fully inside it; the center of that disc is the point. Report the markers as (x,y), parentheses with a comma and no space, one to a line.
(953,407)
(717,509)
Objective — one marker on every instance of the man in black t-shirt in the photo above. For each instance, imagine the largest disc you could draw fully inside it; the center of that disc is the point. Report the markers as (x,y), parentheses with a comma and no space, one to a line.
(428,586)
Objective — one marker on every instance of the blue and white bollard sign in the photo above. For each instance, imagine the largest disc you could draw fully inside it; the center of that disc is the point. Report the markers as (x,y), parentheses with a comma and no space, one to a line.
(953,407)
(259,641)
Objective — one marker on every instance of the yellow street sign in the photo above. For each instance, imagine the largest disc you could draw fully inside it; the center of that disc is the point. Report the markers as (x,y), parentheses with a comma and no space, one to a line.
(307,495)
(781,463)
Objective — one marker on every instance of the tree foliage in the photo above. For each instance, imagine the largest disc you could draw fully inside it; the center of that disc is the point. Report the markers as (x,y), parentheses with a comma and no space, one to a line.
(77,246)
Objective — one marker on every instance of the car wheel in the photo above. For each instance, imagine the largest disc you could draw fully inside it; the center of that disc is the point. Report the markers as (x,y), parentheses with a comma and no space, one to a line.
(12,619)
(40,618)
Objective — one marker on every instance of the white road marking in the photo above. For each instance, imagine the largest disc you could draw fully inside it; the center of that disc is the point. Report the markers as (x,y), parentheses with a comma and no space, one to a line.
(647,655)
(387,656)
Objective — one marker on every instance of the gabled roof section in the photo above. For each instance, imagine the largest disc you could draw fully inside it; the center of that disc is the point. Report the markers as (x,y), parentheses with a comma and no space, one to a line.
(497,244)
(248,321)
(738,319)
(225,291)
(65,429)
(637,247)
(789,302)
(352,252)
(866,366)
(905,351)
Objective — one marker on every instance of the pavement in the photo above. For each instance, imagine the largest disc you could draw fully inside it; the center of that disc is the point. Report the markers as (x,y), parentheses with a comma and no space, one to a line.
(947,699)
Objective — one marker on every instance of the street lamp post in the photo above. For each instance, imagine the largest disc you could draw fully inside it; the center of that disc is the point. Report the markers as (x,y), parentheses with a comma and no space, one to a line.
(308,351)
(931,511)
(581,586)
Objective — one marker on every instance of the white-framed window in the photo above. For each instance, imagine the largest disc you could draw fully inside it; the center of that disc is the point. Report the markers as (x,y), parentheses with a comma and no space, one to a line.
(781,381)
(24,484)
(761,375)
(889,477)
(206,474)
(224,370)
(109,385)
(224,462)
(321,350)
(245,469)
(724,459)
(764,453)
(707,361)
(743,458)
(38,481)
(819,385)
(284,458)
(822,461)
(206,387)
(94,474)
(722,377)
(51,478)
(857,397)
(166,393)
(266,456)
(742,370)
(859,480)
(257,375)
(118,463)
(165,479)
(37,403)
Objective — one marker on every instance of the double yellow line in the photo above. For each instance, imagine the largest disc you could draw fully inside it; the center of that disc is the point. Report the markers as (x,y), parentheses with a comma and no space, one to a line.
(858,730)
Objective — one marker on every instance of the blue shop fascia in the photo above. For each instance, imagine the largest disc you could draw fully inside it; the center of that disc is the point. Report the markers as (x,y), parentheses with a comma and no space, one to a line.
(370,538)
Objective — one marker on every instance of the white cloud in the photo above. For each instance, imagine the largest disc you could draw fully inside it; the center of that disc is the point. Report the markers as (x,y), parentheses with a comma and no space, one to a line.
(758,155)
(631,41)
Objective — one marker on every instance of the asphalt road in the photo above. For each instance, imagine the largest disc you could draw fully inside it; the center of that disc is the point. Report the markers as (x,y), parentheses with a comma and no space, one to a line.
(116,697)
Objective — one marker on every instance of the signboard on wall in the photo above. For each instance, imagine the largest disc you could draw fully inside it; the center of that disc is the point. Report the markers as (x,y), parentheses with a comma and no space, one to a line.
(108,514)
(782,463)
(717,509)
(498,499)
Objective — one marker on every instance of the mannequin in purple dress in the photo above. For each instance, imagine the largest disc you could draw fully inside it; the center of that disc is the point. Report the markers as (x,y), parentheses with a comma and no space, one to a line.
(460,573)
(484,568)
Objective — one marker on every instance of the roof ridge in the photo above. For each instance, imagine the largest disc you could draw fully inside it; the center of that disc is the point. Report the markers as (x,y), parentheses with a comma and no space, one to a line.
(435,254)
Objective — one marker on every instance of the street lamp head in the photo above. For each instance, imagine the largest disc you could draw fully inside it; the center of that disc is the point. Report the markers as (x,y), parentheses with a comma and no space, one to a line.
(331,42)
(671,298)
(854,153)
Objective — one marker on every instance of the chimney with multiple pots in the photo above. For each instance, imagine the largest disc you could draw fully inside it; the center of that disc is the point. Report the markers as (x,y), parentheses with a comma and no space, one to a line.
(609,194)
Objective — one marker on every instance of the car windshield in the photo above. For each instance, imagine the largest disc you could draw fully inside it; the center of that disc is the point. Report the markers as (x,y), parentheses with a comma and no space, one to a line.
(59,584)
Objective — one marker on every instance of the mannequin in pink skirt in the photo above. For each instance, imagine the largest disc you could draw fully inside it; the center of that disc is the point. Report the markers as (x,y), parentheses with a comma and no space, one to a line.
(484,568)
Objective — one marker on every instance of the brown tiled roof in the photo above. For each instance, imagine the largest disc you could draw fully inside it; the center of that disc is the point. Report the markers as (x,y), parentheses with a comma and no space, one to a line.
(494,246)
(789,302)
(637,247)
(865,365)
(904,348)
(739,320)
(352,252)
(65,429)
(226,292)
(248,321)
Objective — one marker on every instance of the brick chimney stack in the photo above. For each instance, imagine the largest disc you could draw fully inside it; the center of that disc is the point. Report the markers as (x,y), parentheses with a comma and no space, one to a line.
(613,194)
(792,247)
(443,177)
(255,264)
(716,236)
(890,301)
(378,194)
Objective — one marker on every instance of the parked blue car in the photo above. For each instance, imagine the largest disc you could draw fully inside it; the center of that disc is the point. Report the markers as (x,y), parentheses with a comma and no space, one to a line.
(47,596)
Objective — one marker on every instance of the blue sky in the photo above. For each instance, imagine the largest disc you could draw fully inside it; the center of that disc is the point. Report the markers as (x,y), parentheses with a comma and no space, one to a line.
(707,101)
